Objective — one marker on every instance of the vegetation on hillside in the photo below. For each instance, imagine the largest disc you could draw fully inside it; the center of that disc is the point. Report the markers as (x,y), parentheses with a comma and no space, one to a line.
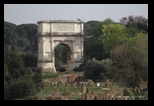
(20,38)
(115,51)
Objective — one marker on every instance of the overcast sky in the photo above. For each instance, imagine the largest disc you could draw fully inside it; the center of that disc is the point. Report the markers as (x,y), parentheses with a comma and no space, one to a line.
(32,13)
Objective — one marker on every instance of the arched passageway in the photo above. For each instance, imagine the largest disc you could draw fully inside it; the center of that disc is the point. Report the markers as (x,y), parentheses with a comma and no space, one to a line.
(62,57)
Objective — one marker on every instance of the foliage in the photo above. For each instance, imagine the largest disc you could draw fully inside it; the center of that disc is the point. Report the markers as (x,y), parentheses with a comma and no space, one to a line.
(5,89)
(58,63)
(135,24)
(113,35)
(21,38)
(9,25)
(6,72)
(30,59)
(37,78)
(116,34)
(81,67)
(19,88)
(97,70)
(130,63)
(14,63)
(97,31)
(90,26)
(93,47)
(125,45)
(107,64)
(18,80)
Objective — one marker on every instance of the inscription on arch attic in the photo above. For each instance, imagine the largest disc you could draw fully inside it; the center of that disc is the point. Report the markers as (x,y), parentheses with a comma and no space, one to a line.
(63,27)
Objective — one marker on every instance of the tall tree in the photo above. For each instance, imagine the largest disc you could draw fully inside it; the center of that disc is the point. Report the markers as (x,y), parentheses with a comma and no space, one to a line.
(98,70)
(93,47)
(130,62)
(98,29)
(113,35)
(90,26)
(135,24)
(22,37)
(14,63)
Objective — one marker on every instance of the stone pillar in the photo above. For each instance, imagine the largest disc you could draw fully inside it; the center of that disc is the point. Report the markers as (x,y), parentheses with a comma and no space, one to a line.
(84,89)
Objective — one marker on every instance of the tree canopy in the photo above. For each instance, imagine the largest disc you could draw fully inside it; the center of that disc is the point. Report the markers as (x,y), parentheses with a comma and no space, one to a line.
(20,38)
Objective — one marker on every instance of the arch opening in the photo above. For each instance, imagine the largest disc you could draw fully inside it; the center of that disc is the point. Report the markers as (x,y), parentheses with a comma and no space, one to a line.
(62,53)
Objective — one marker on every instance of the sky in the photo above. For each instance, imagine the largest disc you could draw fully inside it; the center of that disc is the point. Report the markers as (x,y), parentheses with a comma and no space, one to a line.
(32,13)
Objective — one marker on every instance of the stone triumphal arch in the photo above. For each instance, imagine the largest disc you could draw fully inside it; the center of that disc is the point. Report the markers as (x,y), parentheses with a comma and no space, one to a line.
(52,33)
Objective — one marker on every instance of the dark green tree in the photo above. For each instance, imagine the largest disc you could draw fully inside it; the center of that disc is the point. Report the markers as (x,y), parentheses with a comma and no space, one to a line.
(90,26)
(22,37)
(98,70)
(30,59)
(98,29)
(135,24)
(14,63)
(113,35)
(130,63)
(37,78)
(93,47)
(19,88)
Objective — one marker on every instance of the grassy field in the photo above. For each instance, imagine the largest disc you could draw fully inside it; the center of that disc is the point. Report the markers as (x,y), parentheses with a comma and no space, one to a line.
(53,75)
(64,90)
(75,92)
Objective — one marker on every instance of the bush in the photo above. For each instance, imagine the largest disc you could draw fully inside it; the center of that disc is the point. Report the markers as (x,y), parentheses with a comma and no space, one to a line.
(107,64)
(5,89)
(19,88)
(81,67)
(97,70)
(37,78)
(30,59)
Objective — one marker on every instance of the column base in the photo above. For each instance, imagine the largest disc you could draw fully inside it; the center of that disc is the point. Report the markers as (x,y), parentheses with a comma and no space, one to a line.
(70,66)
(47,66)
(50,67)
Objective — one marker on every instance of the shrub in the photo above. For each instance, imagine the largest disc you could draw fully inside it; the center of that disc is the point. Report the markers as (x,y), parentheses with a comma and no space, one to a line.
(97,70)
(81,67)
(37,78)
(19,88)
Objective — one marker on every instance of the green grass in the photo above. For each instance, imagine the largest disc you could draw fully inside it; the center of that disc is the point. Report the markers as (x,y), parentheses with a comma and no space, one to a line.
(46,90)
(53,75)
(61,88)
(69,90)
(76,89)
(96,89)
